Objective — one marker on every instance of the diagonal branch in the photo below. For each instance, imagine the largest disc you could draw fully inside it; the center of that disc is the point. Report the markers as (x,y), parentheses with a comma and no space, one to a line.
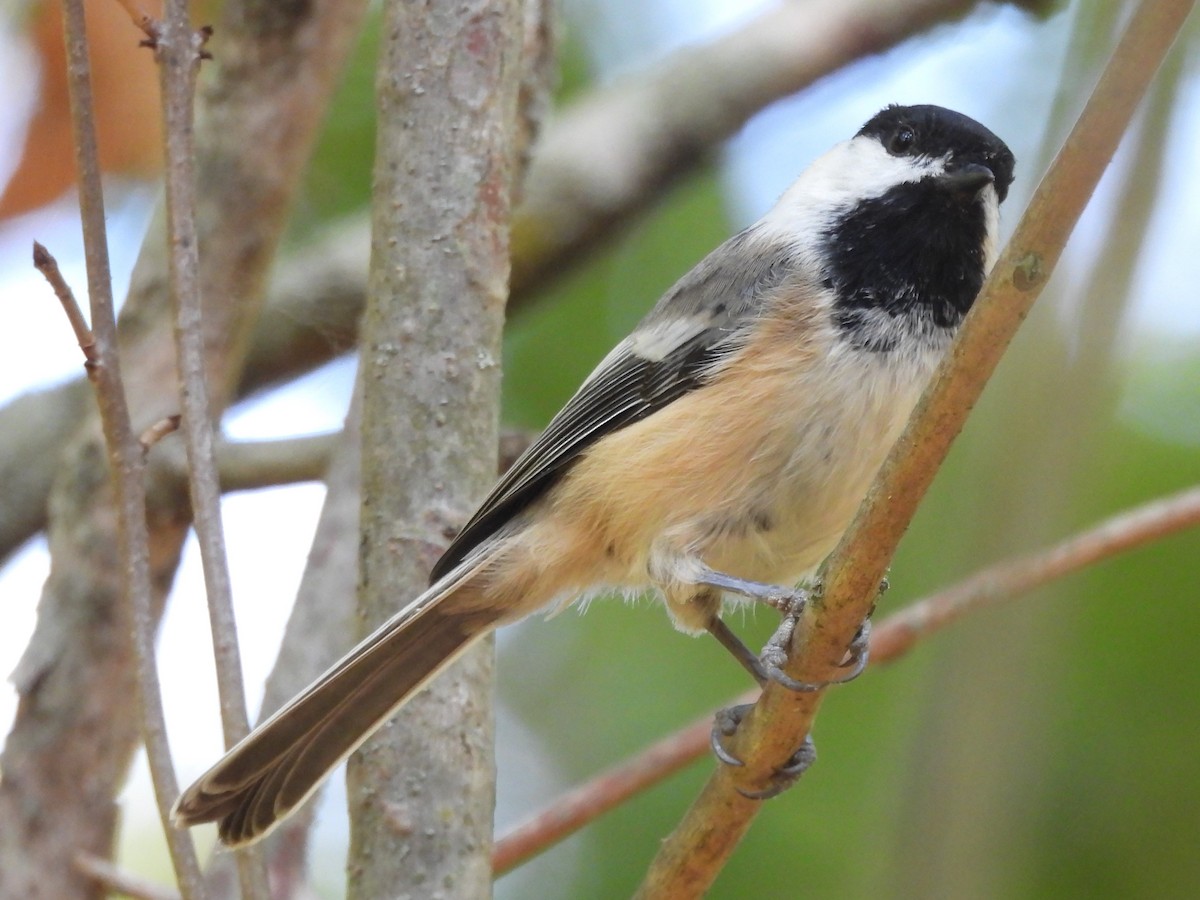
(890,640)
(694,853)
(48,266)
(127,884)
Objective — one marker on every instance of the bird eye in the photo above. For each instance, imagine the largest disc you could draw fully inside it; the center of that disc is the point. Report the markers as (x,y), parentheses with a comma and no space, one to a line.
(901,141)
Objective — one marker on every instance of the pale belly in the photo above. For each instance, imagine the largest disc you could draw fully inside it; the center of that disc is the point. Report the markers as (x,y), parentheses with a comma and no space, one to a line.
(761,489)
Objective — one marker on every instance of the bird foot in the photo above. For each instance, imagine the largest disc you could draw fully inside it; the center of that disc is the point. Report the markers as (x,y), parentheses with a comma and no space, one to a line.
(727,722)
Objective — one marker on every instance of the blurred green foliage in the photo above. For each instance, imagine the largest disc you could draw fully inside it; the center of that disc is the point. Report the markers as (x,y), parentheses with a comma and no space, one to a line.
(338,180)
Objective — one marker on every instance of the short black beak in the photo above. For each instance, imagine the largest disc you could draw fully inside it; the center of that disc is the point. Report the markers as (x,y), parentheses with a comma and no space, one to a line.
(970,178)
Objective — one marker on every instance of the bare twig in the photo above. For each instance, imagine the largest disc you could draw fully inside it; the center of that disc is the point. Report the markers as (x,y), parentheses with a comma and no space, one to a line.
(115,879)
(45,263)
(127,464)
(694,853)
(890,640)
(142,20)
(608,790)
(177,49)
(159,430)
(1011,578)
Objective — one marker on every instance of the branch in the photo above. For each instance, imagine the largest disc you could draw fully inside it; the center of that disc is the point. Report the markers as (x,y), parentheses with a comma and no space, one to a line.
(126,460)
(250,465)
(430,369)
(608,790)
(75,731)
(48,266)
(658,127)
(890,640)
(125,452)
(1020,575)
(117,880)
(694,853)
(178,49)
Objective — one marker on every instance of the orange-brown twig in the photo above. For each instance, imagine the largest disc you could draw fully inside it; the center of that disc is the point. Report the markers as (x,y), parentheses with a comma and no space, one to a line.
(891,639)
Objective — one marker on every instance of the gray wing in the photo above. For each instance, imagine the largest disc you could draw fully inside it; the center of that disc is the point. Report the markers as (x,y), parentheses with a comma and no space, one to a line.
(674,350)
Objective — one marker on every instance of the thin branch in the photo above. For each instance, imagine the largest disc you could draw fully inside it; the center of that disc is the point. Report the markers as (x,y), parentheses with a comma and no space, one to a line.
(75,730)
(48,266)
(126,459)
(157,431)
(890,640)
(695,852)
(248,465)
(178,49)
(1020,575)
(606,791)
(178,54)
(117,880)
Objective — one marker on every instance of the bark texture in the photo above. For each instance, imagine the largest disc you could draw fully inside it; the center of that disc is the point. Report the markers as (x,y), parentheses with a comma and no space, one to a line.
(422,790)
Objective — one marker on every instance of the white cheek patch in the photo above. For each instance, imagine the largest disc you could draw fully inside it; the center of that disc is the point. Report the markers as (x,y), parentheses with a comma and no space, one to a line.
(853,171)
(991,214)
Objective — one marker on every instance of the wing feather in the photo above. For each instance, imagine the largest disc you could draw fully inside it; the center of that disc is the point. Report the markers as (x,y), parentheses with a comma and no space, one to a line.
(677,348)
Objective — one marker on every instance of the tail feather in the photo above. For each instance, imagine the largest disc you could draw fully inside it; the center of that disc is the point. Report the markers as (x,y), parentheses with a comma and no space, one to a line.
(275,768)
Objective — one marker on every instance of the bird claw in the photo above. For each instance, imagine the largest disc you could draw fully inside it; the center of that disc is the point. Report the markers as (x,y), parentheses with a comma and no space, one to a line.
(775,655)
(726,723)
(773,658)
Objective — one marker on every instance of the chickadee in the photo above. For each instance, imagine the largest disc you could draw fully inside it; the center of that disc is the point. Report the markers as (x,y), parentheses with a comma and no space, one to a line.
(721,449)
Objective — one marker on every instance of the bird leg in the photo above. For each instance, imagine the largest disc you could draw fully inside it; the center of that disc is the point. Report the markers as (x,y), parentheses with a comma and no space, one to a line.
(769,667)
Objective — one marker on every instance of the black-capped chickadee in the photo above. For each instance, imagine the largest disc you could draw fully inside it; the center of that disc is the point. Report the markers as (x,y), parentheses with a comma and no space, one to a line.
(721,449)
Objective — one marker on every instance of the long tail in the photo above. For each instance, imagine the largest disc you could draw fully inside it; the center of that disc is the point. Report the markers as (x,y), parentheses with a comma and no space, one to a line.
(274,769)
